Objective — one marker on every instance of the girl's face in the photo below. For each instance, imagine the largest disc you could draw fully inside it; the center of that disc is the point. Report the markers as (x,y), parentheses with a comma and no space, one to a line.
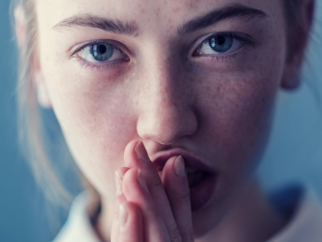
(187,76)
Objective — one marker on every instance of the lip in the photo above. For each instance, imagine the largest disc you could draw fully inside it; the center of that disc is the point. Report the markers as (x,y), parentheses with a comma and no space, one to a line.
(191,161)
(200,194)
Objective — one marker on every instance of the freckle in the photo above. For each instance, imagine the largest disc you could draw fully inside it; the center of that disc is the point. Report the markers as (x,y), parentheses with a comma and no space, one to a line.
(175,10)
(158,11)
(141,8)
(133,22)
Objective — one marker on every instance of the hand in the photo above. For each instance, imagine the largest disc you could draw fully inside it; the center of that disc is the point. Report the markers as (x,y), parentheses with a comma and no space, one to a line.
(148,209)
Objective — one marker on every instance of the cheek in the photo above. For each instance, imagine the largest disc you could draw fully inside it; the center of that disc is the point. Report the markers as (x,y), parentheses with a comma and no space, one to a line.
(238,120)
(94,119)
(237,111)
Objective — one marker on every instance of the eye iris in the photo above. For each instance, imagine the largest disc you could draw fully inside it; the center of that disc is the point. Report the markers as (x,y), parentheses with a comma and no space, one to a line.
(221,43)
(102,52)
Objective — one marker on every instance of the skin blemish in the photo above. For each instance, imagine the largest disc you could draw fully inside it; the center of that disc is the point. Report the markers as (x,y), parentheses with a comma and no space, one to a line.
(176,10)
(157,12)
(141,9)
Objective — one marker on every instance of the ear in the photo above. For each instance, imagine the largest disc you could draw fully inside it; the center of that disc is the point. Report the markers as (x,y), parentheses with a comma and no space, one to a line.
(40,85)
(37,76)
(298,39)
(20,26)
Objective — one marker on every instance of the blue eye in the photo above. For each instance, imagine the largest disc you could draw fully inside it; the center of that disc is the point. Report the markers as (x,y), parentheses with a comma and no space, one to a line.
(221,43)
(101,52)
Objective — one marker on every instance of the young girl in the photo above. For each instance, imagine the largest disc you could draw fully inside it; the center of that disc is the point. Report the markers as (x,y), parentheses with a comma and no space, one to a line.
(166,108)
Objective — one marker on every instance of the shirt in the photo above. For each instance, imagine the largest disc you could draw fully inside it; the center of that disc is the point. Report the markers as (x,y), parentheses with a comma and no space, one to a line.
(305,224)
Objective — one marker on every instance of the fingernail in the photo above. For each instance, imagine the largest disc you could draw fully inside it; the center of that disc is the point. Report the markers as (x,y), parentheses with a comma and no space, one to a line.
(123,215)
(118,182)
(179,167)
(141,152)
(141,180)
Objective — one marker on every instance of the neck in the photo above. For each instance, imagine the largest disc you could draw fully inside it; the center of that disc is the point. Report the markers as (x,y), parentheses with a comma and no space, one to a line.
(253,219)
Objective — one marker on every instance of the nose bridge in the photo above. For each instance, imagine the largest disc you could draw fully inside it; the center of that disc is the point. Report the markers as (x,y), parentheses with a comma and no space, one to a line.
(165,110)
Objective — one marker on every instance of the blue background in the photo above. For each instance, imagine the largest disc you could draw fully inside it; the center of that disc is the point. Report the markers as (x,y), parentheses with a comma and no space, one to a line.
(294,152)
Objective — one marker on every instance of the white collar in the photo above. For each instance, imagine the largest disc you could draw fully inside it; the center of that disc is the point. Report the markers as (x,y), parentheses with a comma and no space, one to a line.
(78,227)
(304,226)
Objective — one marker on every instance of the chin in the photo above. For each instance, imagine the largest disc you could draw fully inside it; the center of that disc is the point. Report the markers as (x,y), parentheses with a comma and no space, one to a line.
(207,219)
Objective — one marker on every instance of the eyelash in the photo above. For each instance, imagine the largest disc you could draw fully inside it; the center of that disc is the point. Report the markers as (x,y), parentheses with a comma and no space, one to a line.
(97,65)
(246,40)
(246,43)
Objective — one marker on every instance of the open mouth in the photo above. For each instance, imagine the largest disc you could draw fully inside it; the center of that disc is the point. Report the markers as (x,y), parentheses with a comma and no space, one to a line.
(202,178)
(202,186)
(195,178)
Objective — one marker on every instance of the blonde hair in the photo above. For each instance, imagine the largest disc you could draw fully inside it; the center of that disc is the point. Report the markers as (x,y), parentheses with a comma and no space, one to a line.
(33,130)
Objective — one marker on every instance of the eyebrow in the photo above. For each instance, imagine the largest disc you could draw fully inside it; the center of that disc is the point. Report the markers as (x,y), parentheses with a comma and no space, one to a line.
(119,27)
(230,11)
(87,20)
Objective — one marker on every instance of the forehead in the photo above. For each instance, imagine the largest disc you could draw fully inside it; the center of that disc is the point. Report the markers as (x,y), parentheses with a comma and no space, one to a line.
(153,14)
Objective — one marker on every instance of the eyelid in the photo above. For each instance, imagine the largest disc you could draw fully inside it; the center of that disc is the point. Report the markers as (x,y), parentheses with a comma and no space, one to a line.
(115,44)
(247,39)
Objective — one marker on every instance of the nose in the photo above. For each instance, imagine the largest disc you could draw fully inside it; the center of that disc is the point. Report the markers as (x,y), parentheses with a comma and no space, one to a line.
(166,113)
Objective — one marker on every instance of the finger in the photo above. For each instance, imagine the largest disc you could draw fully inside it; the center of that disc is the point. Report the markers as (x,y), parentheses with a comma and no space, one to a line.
(119,174)
(120,198)
(136,191)
(136,156)
(116,220)
(130,223)
(176,185)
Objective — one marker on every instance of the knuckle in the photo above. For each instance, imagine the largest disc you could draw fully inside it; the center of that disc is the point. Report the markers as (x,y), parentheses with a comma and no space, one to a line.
(185,197)
(175,235)
(155,182)
(156,213)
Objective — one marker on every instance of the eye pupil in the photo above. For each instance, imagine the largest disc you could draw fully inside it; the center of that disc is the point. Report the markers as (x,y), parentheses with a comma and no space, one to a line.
(221,40)
(101,49)
(102,52)
(221,43)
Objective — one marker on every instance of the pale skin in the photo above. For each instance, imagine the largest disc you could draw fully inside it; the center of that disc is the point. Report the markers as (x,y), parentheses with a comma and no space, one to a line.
(164,94)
